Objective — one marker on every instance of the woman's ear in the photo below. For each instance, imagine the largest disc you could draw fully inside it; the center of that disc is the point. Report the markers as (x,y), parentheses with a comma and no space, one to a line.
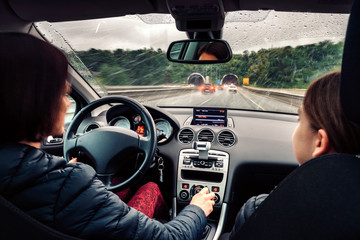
(322,144)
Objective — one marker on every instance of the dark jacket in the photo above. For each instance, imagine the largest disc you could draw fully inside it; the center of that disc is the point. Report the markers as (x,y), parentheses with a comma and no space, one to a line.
(246,211)
(70,198)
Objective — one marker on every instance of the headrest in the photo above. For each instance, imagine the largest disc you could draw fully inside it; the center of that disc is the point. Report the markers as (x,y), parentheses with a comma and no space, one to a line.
(350,70)
(318,200)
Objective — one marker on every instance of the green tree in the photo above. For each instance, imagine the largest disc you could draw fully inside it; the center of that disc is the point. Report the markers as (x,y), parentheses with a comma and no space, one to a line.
(285,67)
(112,75)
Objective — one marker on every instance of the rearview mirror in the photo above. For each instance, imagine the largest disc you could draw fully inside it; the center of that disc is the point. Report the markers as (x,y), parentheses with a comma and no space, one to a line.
(199,51)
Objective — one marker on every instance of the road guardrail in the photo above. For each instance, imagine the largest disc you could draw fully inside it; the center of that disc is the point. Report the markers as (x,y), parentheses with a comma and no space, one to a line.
(149,92)
(292,97)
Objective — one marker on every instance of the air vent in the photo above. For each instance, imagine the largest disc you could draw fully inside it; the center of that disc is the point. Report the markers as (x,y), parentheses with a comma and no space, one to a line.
(91,126)
(186,135)
(226,138)
(206,135)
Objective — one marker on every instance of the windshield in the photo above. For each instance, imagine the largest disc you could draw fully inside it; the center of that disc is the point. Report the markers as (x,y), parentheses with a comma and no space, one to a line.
(275,57)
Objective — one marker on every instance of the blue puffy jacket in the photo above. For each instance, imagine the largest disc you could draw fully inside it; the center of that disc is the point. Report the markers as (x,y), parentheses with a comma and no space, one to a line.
(70,198)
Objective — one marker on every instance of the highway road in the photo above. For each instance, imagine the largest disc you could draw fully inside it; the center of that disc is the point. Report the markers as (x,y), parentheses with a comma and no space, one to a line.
(243,99)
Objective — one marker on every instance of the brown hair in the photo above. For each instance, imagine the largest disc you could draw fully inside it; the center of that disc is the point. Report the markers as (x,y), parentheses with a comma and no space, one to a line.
(33,77)
(214,48)
(323,108)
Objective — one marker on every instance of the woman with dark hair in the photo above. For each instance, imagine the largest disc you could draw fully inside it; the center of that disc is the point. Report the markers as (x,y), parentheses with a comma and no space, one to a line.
(65,196)
(213,51)
(323,129)
(33,88)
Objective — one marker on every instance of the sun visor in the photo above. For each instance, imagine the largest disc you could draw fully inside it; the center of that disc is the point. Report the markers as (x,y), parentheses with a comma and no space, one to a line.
(69,10)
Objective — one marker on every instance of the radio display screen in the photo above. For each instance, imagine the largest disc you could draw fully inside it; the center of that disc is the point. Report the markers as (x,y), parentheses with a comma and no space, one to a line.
(210,117)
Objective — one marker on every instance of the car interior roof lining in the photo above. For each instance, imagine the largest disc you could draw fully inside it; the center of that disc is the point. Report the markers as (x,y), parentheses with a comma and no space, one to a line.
(60,10)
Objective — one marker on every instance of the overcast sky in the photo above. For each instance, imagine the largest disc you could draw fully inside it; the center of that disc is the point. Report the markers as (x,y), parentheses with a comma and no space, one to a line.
(276,30)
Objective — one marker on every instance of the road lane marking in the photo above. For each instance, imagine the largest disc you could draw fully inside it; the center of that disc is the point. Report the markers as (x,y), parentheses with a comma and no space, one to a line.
(207,100)
(252,101)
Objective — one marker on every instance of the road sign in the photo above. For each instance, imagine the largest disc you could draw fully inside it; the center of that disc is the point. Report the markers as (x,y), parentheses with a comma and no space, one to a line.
(246,81)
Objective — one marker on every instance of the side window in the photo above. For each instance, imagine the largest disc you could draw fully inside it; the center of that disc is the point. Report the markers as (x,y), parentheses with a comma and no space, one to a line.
(53,144)
(70,111)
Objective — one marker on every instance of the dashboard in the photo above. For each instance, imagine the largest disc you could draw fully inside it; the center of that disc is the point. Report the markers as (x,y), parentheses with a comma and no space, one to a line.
(235,153)
(247,136)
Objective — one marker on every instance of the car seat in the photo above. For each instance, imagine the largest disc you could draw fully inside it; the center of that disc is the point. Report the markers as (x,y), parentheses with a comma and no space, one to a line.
(15,224)
(319,200)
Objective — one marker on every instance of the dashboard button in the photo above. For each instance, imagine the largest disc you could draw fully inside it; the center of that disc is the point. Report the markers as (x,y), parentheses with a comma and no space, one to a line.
(187,161)
(219,164)
(185,186)
(184,195)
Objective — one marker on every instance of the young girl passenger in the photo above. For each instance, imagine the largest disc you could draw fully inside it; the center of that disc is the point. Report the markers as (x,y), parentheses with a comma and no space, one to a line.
(323,129)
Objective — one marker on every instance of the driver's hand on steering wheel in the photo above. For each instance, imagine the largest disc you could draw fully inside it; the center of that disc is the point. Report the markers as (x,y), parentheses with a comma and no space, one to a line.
(204,200)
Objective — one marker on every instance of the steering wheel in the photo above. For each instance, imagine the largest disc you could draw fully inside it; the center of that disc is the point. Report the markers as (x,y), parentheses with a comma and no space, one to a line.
(105,144)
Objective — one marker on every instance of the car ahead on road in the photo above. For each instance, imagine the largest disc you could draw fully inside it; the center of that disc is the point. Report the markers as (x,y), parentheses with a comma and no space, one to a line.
(232,88)
(236,145)
(207,88)
(220,87)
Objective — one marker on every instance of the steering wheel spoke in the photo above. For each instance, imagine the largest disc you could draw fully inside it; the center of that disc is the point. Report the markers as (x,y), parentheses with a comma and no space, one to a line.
(145,143)
(106,179)
(69,145)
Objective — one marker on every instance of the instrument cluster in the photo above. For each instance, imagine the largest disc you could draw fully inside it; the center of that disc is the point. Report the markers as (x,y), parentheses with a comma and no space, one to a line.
(133,121)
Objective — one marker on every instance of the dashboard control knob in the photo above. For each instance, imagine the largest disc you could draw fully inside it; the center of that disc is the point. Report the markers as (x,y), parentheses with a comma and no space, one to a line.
(216,198)
(184,195)
(196,189)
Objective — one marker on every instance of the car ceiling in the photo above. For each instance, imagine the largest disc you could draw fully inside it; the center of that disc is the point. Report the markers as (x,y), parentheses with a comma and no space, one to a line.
(66,10)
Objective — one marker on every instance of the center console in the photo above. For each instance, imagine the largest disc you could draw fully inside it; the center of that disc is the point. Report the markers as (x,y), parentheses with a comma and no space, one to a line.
(201,167)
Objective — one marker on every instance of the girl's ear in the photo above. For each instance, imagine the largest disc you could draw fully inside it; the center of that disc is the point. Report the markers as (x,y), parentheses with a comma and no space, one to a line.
(322,144)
